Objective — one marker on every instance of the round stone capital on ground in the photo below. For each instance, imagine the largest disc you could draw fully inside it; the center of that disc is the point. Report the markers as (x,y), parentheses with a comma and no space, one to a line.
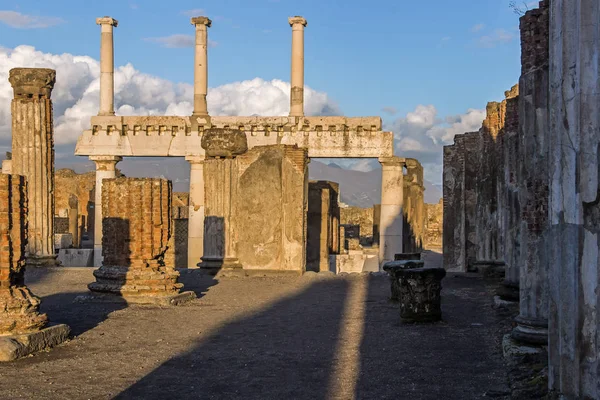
(32,82)
(220,142)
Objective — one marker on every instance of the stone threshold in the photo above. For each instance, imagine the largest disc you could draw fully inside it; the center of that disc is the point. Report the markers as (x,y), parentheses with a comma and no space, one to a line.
(18,346)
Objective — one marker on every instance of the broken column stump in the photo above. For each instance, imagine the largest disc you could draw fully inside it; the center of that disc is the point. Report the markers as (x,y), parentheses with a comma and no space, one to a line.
(136,227)
(392,268)
(23,330)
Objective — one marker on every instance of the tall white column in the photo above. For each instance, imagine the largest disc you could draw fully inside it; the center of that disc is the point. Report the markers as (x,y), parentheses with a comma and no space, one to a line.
(107,66)
(392,199)
(196,211)
(297,79)
(201,65)
(105,169)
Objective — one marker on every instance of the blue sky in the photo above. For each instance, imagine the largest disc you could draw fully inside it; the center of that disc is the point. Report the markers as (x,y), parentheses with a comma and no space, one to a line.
(365,55)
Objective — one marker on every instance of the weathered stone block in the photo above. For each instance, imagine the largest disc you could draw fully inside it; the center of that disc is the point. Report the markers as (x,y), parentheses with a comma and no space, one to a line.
(220,142)
(392,268)
(420,294)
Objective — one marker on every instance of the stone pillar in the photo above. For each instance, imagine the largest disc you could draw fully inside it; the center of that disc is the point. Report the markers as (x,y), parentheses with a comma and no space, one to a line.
(391,219)
(532,322)
(574,204)
(33,156)
(107,66)
(196,211)
(21,325)
(222,146)
(74,219)
(136,227)
(105,169)
(201,66)
(297,79)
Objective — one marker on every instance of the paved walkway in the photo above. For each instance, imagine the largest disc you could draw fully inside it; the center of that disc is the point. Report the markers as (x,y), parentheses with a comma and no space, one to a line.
(259,338)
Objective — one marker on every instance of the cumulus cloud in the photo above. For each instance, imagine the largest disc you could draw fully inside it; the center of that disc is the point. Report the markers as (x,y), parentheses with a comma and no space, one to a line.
(177,41)
(16,19)
(76,94)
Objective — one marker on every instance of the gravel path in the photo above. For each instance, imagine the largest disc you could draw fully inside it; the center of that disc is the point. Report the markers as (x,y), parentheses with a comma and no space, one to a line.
(315,337)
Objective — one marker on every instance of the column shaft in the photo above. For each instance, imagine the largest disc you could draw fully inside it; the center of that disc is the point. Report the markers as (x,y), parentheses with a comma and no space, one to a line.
(107,66)
(201,65)
(196,212)
(33,156)
(391,214)
(297,67)
(105,169)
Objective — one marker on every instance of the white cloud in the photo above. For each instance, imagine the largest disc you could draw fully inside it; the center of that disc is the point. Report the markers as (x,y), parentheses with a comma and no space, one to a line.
(477,28)
(76,94)
(196,12)
(177,41)
(15,19)
(499,36)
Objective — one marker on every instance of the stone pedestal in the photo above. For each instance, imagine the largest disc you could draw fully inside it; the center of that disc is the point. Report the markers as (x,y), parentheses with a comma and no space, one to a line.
(136,229)
(420,294)
(220,177)
(33,156)
(23,330)
(393,268)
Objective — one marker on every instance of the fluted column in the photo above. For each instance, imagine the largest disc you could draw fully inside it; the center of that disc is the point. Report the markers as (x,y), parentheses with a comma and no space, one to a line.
(196,211)
(297,79)
(201,66)
(33,156)
(392,199)
(107,66)
(105,169)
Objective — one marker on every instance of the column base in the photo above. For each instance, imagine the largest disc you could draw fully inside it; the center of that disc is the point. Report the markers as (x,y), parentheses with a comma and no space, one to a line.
(221,266)
(42,262)
(530,331)
(17,346)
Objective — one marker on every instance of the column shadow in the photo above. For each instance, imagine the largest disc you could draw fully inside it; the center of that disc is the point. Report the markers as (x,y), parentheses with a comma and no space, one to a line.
(285,351)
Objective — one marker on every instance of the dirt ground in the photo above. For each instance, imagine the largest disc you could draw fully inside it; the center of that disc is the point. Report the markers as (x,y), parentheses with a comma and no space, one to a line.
(314,337)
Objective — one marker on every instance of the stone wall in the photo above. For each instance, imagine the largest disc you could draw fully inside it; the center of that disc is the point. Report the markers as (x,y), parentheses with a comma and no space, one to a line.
(270,209)
(323,224)
(433,226)
(362,217)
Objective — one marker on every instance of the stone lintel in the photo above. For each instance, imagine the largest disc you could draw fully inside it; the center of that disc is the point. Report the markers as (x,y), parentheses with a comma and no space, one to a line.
(30,82)
(297,20)
(195,159)
(107,21)
(201,21)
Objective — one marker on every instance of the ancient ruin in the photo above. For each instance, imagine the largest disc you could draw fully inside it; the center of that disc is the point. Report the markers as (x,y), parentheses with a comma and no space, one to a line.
(136,229)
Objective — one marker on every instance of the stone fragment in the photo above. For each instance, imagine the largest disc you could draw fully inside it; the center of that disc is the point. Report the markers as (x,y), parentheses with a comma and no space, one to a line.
(420,294)
(220,142)
(392,268)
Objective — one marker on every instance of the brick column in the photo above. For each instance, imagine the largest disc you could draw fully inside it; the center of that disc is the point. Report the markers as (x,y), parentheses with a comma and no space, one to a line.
(33,156)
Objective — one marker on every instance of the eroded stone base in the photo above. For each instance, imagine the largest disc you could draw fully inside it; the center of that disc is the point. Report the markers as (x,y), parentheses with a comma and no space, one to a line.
(512,349)
(19,311)
(167,300)
(534,332)
(17,346)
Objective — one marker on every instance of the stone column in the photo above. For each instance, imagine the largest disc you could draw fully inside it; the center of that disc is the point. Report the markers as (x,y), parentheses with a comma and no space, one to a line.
(74,219)
(574,205)
(196,211)
(33,156)
(391,217)
(105,169)
(532,322)
(107,66)
(297,79)
(201,66)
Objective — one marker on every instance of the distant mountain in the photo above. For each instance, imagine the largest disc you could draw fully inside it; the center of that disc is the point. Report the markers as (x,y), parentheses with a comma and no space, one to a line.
(358,188)
(361,189)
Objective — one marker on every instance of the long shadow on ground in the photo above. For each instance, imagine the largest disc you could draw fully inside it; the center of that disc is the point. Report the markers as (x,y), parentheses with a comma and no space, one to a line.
(284,352)
(457,358)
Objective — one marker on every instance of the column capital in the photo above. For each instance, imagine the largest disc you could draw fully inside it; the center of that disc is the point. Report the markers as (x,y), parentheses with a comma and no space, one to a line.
(297,20)
(196,21)
(106,163)
(106,158)
(195,159)
(392,161)
(29,82)
(107,21)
